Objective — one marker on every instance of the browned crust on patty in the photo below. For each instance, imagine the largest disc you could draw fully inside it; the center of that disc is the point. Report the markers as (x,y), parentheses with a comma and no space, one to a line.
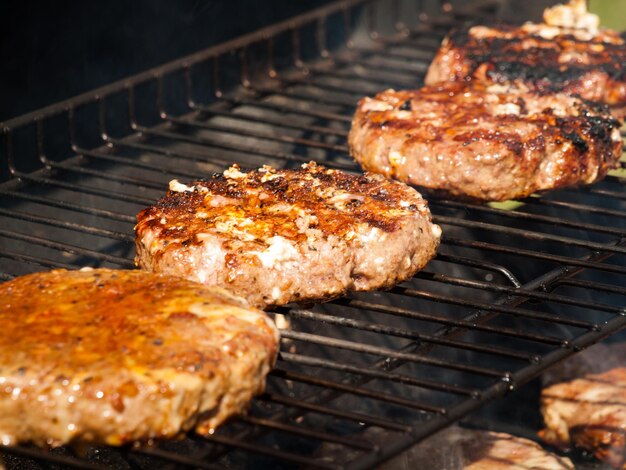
(590,413)
(111,357)
(277,236)
(592,66)
(483,142)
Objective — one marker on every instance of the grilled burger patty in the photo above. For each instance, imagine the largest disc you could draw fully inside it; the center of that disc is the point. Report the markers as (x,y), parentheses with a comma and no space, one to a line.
(570,56)
(484,142)
(111,357)
(589,412)
(457,448)
(279,236)
(485,450)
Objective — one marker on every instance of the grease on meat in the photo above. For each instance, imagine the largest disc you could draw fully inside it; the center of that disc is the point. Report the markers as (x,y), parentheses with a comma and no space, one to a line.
(112,357)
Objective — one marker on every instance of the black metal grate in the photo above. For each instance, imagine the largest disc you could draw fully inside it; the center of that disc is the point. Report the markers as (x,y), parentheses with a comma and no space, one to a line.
(512,291)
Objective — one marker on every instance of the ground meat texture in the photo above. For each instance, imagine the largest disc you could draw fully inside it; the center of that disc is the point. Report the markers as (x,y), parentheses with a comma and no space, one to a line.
(280,236)
(456,448)
(484,142)
(113,357)
(545,58)
(590,413)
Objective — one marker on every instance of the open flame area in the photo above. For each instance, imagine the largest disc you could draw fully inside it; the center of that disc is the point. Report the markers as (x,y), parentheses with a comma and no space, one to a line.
(515,287)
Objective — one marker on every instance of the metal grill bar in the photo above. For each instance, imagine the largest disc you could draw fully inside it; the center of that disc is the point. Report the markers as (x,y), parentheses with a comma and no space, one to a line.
(48,263)
(528,234)
(84,189)
(521,292)
(370,373)
(259,135)
(362,392)
(103,175)
(265,120)
(240,148)
(534,217)
(305,461)
(38,454)
(403,333)
(68,225)
(328,116)
(177,458)
(68,205)
(537,255)
(364,348)
(493,308)
(310,433)
(449,322)
(66,247)
(356,417)
(132,163)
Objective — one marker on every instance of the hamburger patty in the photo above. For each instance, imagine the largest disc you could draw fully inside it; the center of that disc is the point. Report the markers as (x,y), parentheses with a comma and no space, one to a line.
(589,412)
(567,54)
(457,448)
(484,142)
(112,357)
(280,236)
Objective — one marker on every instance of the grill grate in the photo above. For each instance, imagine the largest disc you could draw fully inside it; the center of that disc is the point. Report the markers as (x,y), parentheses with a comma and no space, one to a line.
(359,379)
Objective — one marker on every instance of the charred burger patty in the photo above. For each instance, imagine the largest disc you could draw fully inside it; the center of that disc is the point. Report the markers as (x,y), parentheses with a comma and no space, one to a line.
(279,236)
(484,142)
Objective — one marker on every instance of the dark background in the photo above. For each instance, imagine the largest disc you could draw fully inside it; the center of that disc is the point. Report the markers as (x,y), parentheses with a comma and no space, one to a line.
(54,50)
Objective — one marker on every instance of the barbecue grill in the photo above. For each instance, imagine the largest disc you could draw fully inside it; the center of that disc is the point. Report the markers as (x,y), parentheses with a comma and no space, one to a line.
(362,378)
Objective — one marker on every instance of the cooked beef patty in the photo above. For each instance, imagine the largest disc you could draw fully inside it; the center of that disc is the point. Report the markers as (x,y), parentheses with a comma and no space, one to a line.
(112,357)
(589,412)
(567,54)
(280,236)
(484,142)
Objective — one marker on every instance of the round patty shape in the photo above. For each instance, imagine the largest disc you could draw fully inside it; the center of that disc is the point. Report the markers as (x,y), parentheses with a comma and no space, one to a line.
(481,142)
(545,58)
(280,236)
(111,357)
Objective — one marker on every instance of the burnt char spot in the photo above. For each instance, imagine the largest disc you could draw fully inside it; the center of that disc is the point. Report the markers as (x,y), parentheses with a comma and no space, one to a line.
(568,130)
(512,141)
(601,127)
(549,78)
(386,225)
(537,144)
(274,202)
(521,102)
(460,37)
(535,60)
(179,200)
(406,106)
(406,124)
(278,186)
